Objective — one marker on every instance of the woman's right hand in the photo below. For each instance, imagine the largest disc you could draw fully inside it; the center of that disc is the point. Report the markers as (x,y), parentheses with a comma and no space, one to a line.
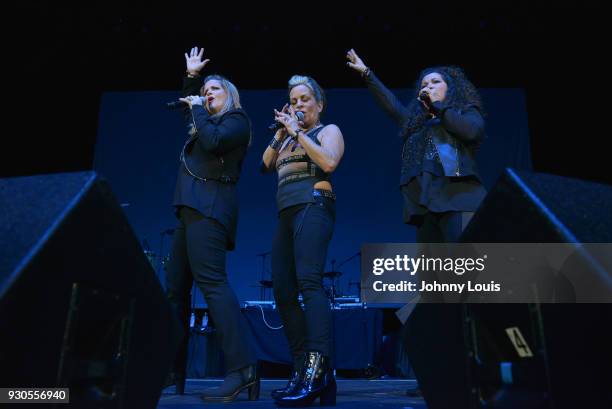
(192,100)
(355,62)
(288,118)
(194,61)
(281,134)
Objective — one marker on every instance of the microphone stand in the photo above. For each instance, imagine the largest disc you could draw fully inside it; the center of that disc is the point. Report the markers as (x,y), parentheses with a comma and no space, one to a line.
(349,259)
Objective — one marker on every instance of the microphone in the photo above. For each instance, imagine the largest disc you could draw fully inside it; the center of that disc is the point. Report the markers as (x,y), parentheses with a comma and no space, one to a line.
(277,125)
(176,104)
(424,96)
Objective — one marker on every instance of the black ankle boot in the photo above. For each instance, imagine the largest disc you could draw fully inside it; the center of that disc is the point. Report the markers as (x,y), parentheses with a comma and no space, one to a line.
(316,381)
(233,384)
(298,364)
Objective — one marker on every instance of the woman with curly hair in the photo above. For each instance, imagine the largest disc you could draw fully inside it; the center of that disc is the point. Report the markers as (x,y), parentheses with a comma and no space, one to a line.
(441,127)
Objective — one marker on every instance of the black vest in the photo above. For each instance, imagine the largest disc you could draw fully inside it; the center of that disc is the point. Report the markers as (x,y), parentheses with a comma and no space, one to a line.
(297,173)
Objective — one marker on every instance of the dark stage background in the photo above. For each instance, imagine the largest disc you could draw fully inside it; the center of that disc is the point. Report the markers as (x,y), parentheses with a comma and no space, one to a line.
(139,142)
(87,79)
(93,78)
(66,56)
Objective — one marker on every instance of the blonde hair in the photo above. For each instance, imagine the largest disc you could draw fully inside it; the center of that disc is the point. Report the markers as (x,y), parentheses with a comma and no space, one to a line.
(313,85)
(233,98)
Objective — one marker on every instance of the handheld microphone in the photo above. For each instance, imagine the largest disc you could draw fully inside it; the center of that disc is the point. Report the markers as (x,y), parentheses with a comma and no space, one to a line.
(424,96)
(176,104)
(277,125)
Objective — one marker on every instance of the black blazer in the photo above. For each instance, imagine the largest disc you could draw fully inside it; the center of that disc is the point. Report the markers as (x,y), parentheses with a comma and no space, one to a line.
(218,147)
(211,162)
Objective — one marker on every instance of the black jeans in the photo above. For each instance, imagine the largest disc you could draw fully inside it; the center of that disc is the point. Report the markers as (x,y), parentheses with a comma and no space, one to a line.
(442,227)
(198,253)
(298,261)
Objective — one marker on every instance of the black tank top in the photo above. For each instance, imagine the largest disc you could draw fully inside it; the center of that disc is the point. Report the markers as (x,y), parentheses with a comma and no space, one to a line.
(297,173)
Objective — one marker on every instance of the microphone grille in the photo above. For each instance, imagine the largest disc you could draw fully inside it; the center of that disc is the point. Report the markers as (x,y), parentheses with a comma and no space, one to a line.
(300,115)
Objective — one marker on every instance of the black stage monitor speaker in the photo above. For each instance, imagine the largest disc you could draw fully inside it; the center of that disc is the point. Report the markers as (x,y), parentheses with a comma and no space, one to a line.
(527,356)
(527,207)
(80,305)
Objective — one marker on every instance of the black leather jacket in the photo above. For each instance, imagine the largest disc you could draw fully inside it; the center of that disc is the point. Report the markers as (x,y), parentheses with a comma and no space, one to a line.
(449,139)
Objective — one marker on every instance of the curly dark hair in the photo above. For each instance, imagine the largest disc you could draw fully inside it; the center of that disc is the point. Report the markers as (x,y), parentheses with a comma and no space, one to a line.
(461,94)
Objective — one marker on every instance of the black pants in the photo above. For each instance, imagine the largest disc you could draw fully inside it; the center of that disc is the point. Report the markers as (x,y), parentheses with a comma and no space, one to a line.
(298,261)
(442,227)
(433,333)
(198,253)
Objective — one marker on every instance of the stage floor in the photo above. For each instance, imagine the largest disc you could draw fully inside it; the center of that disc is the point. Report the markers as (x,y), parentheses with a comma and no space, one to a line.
(352,393)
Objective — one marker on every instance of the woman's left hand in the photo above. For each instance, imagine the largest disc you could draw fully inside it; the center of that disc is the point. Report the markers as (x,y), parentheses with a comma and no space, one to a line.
(192,100)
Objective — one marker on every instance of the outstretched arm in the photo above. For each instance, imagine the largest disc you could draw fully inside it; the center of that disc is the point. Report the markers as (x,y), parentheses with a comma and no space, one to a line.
(383,96)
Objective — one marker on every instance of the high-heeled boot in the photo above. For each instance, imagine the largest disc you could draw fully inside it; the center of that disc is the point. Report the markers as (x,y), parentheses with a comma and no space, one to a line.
(233,384)
(298,365)
(316,381)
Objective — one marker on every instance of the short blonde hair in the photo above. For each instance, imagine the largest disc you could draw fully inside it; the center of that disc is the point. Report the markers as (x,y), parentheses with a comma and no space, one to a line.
(313,85)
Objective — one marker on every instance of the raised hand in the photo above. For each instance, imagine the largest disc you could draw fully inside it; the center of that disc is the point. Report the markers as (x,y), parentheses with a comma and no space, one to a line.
(355,62)
(194,61)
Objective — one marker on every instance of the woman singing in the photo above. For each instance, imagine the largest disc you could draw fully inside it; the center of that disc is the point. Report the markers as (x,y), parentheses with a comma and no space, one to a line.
(442,127)
(206,204)
(305,153)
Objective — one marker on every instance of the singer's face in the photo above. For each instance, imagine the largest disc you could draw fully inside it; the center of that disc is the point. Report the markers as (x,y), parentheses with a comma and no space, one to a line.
(215,96)
(434,84)
(302,99)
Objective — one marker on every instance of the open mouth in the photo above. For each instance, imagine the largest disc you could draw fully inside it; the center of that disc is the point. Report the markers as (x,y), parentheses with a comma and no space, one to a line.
(210,99)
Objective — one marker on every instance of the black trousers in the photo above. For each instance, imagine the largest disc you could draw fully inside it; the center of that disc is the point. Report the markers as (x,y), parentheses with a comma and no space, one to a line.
(433,333)
(442,227)
(198,254)
(299,251)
